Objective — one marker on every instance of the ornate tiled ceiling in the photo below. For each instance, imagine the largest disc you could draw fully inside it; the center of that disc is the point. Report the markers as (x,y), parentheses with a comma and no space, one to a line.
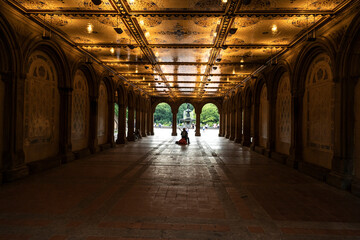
(187,48)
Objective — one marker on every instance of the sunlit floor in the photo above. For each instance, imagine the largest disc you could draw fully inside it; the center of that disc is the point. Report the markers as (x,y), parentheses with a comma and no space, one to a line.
(154,189)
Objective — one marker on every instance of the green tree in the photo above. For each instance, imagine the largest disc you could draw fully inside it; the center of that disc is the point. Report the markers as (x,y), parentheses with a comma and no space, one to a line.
(209,115)
(163,114)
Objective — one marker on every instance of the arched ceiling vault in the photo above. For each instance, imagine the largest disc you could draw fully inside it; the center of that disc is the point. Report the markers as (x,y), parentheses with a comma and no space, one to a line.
(187,48)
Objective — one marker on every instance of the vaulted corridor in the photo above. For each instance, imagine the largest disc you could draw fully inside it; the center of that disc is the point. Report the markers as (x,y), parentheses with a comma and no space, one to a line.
(154,189)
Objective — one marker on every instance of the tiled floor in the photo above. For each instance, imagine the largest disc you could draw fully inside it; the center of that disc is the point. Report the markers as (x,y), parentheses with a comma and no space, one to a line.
(154,189)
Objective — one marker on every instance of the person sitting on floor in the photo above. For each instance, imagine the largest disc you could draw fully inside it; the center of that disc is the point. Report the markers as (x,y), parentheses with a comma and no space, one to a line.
(185,135)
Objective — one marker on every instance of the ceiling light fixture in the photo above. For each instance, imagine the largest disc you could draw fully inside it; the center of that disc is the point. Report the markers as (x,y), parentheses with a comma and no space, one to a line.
(232,30)
(218,60)
(131,1)
(147,34)
(224,1)
(215,34)
(112,50)
(141,22)
(274,28)
(90,28)
(96,2)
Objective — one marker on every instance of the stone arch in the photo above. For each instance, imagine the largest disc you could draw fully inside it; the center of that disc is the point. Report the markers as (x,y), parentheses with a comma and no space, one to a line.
(247,124)
(80,116)
(90,74)
(41,108)
(103,112)
(9,67)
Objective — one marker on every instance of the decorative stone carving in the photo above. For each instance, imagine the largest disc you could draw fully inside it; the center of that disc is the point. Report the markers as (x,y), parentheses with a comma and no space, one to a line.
(263,117)
(318,113)
(80,112)
(102,114)
(41,107)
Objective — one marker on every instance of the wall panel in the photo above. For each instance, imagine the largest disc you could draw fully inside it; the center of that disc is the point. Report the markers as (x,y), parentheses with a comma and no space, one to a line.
(102,114)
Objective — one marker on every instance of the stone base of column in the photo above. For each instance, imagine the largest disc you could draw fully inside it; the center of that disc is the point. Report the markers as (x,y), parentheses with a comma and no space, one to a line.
(237,140)
(197,134)
(152,134)
(231,138)
(355,187)
(143,135)
(15,173)
(221,134)
(246,143)
(173,134)
(68,157)
(339,180)
(227,136)
(130,138)
(44,164)
(121,140)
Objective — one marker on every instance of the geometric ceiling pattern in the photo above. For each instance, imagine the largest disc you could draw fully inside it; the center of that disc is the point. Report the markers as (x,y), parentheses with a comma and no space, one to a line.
(182,48)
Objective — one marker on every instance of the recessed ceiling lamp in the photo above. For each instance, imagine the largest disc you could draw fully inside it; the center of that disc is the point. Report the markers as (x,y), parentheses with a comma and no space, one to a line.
(149,84)
(147,34)
(227,79)
(141,22)
(90,28)
(96,2)
(131,1)
(112,50)
(274,28)
(224,1)
(232,30)
(215,34)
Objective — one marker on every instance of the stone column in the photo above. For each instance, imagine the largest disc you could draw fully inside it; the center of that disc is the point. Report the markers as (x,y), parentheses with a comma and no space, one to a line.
(111,110)
(296,129)
(65,125)
(272,125)
(121,137)
(174,124)
(221,115)
(93,124)
(130,136)
(256,123)
(238,125)
(143,123)
(197,130)
(138,120)
(152,122)
(247,122)
(232,125)
(14,166)
(227,130)
(149,122)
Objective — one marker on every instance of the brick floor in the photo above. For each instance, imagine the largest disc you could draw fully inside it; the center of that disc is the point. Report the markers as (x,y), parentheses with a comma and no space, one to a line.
(154,189)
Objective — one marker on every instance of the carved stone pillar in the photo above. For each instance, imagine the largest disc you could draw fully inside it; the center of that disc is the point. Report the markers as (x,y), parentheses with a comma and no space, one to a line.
(111,110)
(152,123)
(174,124)
(232,125)
(197,130)
(121,137)
(256,123)
(143,123)
(228,120)
(130,136)
(221,120)
(272,124)
(238,125)
(93,124)
(65,125)
(13,165)
(246,131)
(296,126)
(138,120)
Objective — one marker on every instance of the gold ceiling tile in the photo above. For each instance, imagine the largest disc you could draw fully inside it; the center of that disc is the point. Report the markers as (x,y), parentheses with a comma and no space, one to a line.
(238,55)
(176,5)
(183,69)
(183,54)
(64,5)
(179,30)
(259,5)
(131,69)
(118,55)
(76,27)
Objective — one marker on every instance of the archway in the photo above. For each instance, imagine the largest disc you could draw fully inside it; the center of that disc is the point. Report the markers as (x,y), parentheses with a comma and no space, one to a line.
(102,114)
(162,119)
(209,120)
(263,117)
(186,117)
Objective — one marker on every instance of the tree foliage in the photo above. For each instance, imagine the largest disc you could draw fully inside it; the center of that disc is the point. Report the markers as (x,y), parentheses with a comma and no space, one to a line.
(163,114)
(209,115)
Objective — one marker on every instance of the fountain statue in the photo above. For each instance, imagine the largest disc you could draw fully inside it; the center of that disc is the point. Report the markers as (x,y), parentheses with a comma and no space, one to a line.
(187,120)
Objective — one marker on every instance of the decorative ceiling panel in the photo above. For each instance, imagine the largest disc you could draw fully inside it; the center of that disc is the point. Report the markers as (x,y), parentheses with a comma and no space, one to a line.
(199,69)
(64,5)
(115,54)
(182,54)
(176,5)
(260,5)
(179,30)
(269,30)
(171,48)
(90,30)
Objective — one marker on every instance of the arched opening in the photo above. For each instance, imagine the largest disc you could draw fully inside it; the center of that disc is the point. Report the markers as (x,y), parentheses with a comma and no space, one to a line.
(41,108)
(186,117)
(283,115)
(210,120)
(102,114)
(116,117)
(80,115)
(162,119)
(318,113)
